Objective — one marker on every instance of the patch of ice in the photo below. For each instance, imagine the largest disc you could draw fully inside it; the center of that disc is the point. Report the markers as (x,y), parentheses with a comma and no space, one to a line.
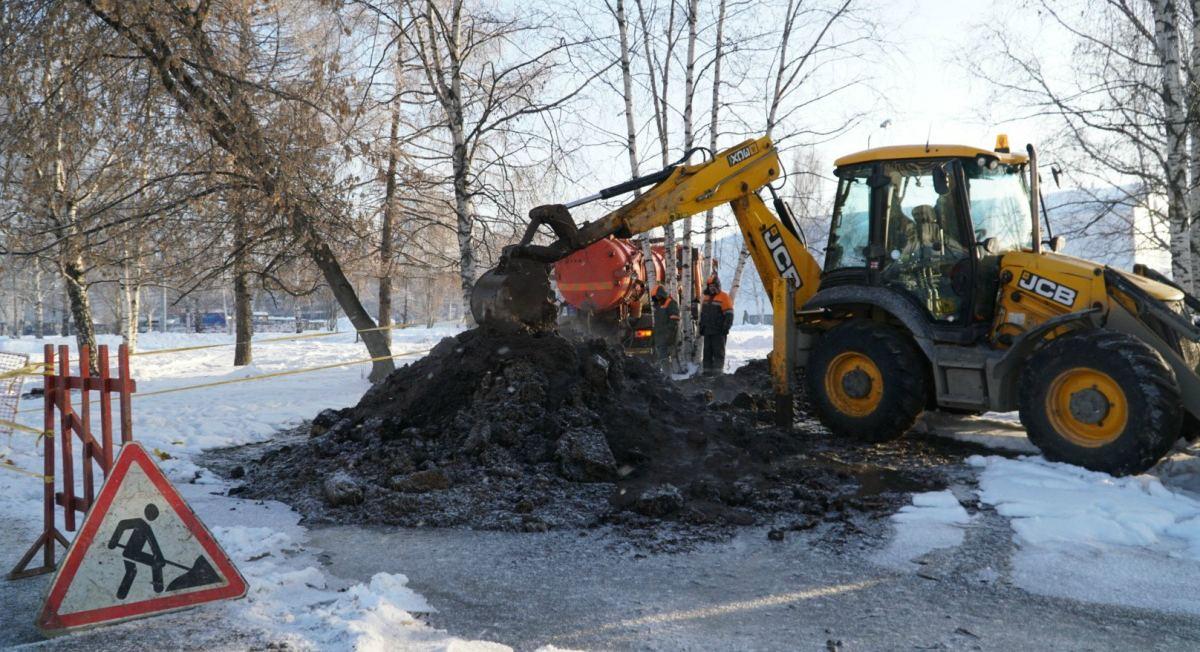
(995,430)
(1089,536)
(934,520)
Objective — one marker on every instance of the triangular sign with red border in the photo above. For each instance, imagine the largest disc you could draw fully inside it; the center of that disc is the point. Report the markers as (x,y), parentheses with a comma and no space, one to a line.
(141,551)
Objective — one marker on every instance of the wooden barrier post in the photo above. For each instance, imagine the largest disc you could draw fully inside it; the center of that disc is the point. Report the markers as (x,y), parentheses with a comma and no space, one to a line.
(88,451)
(106,441)
(63,394)
(57,398)
(50,534)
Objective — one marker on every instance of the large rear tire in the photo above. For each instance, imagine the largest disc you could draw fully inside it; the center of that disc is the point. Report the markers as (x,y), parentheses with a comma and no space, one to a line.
(1103,400)
(866,380)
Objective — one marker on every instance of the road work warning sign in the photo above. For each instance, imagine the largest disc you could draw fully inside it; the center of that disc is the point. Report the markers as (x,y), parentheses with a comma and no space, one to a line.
(141,551)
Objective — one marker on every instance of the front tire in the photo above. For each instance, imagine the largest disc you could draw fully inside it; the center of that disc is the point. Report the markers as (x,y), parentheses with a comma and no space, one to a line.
(1102,400)
(867,380)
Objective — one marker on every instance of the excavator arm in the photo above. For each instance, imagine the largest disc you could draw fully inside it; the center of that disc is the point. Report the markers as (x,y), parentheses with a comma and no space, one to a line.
(518,292)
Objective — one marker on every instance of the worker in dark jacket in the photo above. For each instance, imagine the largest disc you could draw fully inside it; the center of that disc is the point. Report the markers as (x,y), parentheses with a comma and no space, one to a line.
(716,318)
(666,324)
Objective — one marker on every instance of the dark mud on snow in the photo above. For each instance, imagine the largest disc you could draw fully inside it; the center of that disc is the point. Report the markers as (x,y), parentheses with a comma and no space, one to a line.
(525,432)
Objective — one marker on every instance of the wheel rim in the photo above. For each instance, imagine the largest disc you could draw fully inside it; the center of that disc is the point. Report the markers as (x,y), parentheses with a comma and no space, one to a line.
(1087,407)
(853,384)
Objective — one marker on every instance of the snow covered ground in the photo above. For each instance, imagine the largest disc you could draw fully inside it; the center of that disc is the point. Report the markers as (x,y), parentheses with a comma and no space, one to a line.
(1133,542)
(746,342)
(290,599)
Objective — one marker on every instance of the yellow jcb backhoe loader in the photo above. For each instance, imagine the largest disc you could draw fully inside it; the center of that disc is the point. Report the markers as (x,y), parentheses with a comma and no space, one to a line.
(937,292)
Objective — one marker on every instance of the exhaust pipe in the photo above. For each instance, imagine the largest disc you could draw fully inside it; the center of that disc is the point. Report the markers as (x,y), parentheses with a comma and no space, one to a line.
(1034,194)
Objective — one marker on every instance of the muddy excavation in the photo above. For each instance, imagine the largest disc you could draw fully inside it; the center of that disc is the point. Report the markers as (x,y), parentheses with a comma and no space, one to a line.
(530,432)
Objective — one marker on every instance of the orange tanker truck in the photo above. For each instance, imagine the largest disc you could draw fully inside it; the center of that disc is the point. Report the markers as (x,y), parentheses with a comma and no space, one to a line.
(603,289)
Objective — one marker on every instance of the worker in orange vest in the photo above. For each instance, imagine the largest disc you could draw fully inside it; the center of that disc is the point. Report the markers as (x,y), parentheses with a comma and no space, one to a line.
(666,325)
(716,318)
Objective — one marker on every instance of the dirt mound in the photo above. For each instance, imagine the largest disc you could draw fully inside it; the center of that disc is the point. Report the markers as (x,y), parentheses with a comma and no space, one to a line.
(529,432)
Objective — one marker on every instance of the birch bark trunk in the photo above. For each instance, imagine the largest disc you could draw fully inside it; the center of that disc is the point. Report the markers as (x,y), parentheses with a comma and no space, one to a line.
(688,348)
(648,266)
(1166,41)
(714,112)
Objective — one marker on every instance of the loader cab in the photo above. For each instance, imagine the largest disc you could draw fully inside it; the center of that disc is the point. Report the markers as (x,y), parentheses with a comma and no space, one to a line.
(929,223)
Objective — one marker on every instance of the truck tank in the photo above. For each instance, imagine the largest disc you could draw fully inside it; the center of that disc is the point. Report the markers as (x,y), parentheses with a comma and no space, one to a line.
(605,276)
(603,287)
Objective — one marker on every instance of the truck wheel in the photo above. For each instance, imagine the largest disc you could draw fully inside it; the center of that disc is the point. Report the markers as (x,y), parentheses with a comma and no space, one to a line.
(1102,400)
(866,380)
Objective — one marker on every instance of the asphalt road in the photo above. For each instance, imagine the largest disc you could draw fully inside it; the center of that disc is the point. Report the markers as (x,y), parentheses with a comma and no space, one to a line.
(804,593)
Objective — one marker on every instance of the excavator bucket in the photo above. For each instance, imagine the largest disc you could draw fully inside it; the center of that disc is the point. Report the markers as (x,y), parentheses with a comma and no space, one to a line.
(516,294)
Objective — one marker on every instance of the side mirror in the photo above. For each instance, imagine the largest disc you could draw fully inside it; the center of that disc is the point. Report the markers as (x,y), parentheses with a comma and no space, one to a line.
(941,180)
(1058,243)
(991,246)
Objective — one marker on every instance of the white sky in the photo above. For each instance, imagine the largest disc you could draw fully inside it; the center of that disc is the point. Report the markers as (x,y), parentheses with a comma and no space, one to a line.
(930,93)
(920,85)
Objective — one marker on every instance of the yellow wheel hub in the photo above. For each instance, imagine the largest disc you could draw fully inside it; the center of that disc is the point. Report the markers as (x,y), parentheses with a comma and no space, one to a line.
(1087,407)
(853,384)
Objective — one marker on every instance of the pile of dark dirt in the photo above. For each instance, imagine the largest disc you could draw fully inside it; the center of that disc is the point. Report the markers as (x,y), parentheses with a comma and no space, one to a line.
(530,432)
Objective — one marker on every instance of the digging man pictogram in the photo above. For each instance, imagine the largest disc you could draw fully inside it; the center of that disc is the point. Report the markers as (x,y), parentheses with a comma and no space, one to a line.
(134,551)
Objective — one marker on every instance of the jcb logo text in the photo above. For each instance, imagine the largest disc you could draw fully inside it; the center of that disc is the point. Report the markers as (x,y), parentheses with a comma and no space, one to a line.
(781,257)
(1047,288)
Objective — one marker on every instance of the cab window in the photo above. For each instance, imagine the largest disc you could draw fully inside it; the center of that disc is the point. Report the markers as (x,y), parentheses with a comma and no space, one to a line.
(999,205)
(851,232)
(927,254)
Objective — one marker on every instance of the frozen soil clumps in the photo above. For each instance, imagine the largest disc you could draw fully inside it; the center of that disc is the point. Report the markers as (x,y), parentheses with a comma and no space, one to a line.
(527,432)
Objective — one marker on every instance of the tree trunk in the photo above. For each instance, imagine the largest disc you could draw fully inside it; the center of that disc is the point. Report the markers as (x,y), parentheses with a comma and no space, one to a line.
(659,99)
(713,124)
(135,307)
(385,231)
(297,318)
(347,298)
(81,306)
(688,350)
(738,269)
(128,304)
(464,220)
(16,326)
(39,302)
(243,301)
(1166,40)
(1193,103)
(65,314)
(631,143)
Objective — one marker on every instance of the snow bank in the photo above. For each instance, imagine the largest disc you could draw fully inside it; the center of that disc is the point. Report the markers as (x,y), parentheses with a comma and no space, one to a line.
(289,596)
(1089,536)
(301,608)
(934,520)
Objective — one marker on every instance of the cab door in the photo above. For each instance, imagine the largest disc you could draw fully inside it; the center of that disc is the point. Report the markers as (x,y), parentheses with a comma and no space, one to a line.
(927,245)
